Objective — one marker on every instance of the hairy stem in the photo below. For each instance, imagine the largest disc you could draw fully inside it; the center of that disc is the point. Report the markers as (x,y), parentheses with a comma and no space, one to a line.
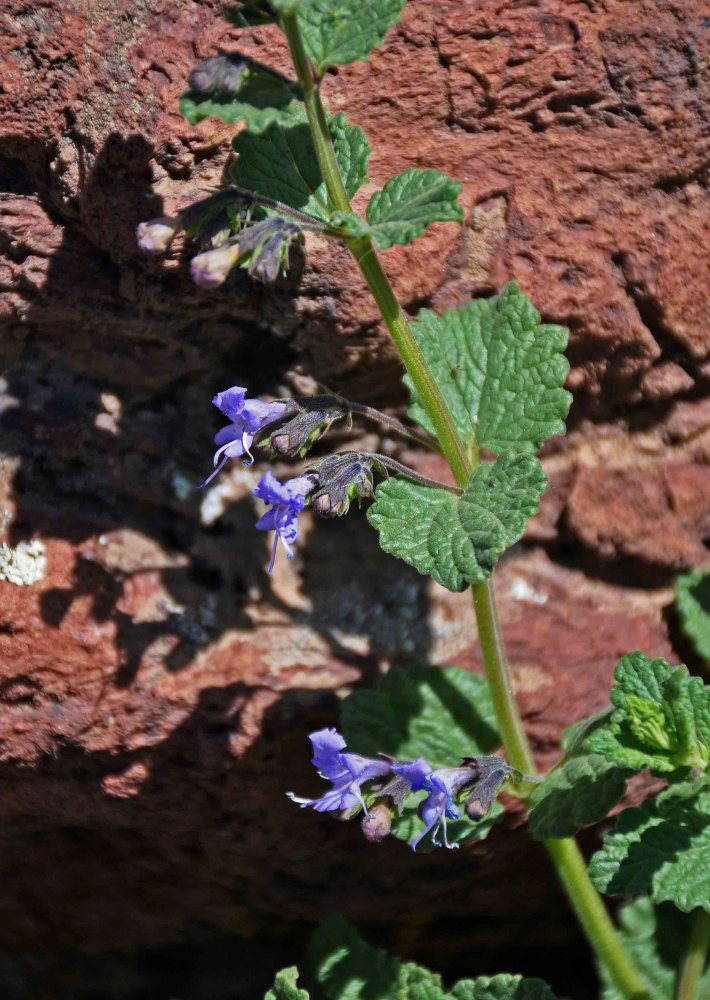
(416,477)
(384,418)
(370,266)
(692,968)
(565,854)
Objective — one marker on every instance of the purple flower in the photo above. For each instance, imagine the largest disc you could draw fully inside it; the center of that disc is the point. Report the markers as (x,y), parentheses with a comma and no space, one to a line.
(248,416)
(439,805)
(346,771)
(210,269)
(288,500)
(156,235)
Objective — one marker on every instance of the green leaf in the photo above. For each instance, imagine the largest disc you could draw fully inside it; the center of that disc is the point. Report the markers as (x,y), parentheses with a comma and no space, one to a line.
(502,987)
(656,939)
(662,720)
(661,848)
(692,599)
(281,163)
(336,32)
(458,539)
(346,967)
(417,983)
(499,370)
(260,99)
(407,825)
(285,987)
(580,791)
(439,713)
(407,203)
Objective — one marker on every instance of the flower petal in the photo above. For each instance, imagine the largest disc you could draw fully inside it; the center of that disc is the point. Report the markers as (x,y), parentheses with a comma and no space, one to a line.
(327,744)
(231,401)
(416,772)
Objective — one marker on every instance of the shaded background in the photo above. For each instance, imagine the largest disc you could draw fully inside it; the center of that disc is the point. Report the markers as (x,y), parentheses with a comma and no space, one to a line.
(157,686)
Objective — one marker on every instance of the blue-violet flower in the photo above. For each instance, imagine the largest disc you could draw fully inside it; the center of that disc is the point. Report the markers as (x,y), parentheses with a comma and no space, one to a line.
(439,804)
(288,500)
(347,772)
(248,416)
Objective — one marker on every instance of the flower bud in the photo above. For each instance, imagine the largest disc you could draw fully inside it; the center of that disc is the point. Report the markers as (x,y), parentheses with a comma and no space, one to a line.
(211,268)
(156,235)
(493,772)
(341,478)
(222,74)
(378,824)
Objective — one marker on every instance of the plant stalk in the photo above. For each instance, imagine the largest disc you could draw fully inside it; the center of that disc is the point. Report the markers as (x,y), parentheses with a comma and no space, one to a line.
(692,968)
(565,854)
(370,266)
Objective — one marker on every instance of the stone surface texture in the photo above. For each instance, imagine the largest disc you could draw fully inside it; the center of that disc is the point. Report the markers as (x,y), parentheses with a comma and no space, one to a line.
(156,686)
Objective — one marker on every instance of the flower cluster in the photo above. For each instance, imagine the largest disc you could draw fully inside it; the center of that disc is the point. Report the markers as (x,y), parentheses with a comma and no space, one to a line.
(222,224)
(391,781)
(329,484)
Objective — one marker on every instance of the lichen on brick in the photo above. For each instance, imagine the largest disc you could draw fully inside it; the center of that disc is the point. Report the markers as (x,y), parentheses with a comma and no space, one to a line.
(24,564)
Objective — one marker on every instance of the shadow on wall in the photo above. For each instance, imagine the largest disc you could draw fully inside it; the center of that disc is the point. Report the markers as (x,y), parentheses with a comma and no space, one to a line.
(107,403)
(110,362)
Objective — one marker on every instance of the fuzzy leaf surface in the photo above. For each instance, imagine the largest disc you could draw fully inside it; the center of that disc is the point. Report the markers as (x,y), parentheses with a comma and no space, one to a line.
(346,967)
(501,987)
(441,713)
(337,32)
(580,791)
(285,986)
(407,203)
(281,163)
(656,939)
(692,601)
(261,99)
(661,848)
(458,539)
(662,719)
(500,370)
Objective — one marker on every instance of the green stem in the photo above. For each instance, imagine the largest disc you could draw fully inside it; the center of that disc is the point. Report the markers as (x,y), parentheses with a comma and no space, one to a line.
(569,862)
(594,918)
(497,671)
(692,968)
(372,271)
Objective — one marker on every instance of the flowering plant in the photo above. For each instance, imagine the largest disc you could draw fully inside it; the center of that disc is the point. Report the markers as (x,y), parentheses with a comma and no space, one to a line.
(486,383)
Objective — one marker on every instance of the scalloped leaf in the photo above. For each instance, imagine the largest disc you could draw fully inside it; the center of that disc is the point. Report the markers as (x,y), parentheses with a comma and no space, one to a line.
(580,791)
(285,986)
(500,370)
(656,939)
(661,848)
(441,713)
(281,163)
(458,539)
(692,601)
(243,91)
(337,32)
(662,718)
(407,203)
(501,987)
